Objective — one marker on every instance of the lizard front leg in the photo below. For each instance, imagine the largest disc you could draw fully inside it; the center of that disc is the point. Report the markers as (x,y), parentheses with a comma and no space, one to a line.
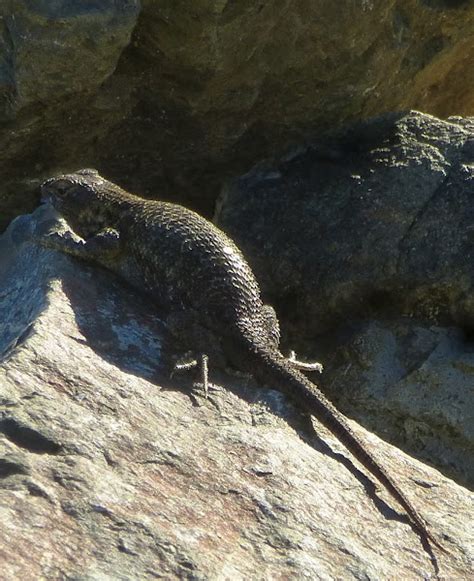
(102,247)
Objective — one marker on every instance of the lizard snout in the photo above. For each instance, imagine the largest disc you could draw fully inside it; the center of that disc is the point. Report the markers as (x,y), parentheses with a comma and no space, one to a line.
(46,193)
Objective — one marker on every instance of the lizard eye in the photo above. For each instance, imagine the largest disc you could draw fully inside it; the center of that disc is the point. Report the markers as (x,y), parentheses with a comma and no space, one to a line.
(62,186)
(55,186)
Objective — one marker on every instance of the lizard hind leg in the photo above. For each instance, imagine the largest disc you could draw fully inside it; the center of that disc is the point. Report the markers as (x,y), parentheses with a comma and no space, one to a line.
(189,362)
(303,365)
(272,327)
(200,345)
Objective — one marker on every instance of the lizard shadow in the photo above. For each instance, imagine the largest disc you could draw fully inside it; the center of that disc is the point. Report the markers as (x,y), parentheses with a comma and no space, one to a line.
(124,331)
(117,323)
(371,490)
(303,426)
(369,486)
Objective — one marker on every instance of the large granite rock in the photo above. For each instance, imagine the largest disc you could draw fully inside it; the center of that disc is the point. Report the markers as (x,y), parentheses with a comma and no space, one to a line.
(365,244)
(170,98)
(106,475)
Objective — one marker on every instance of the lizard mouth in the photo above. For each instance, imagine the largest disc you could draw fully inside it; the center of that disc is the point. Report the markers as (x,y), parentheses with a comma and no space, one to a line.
(46,197)
(47,192)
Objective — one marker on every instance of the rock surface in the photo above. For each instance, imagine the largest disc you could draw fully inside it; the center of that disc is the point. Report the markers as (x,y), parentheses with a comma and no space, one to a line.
(380,216)
(170,98)
(364,243)
(54,59)
(413,384)
(104,473)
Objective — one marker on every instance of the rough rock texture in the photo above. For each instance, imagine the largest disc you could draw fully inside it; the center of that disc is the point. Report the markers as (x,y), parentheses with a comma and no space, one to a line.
(379,216)
(169,98)
(54,59)
(376,224)
(105,475)
(413,384)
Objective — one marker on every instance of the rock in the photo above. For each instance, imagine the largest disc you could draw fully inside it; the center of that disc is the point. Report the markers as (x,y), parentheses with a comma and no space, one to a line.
(412,383)
(171,98)
(106,474)
(377,219)
(54,57)
(54,50)
(364,243)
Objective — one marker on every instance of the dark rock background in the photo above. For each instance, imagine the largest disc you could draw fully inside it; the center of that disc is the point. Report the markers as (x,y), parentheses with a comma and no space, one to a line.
(171,98)
(378,217)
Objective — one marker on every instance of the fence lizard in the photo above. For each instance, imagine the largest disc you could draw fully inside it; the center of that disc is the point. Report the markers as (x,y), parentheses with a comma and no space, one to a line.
(196,272)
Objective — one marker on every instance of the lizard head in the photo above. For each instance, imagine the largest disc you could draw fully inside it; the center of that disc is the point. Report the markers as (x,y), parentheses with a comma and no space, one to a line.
(71,189)
(78,198)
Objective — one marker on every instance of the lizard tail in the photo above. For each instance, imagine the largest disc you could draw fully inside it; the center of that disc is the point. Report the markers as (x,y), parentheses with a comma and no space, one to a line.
(272,368)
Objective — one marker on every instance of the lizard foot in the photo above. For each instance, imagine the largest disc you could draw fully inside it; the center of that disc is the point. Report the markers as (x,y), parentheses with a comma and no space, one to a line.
(302,365)
(190,363)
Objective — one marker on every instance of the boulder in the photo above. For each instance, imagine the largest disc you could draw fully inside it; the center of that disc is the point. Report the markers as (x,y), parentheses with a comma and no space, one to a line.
(378,217)
(54,58)
(364,243)
(108,471)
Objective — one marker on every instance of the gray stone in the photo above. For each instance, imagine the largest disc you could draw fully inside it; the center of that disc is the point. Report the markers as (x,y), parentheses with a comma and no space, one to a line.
(377,217)
(413,384)
(106,475)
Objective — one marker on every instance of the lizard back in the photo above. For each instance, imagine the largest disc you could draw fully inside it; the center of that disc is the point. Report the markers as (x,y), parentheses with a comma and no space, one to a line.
(208,273)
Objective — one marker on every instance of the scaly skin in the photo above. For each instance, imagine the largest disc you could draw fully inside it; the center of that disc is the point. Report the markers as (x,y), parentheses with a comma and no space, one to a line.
(191,268)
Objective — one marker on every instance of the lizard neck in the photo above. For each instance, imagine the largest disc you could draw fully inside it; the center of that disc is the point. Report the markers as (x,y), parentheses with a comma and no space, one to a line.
(116,200)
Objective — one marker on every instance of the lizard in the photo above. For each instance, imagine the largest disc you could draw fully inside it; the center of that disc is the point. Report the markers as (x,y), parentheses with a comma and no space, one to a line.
(190,267)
